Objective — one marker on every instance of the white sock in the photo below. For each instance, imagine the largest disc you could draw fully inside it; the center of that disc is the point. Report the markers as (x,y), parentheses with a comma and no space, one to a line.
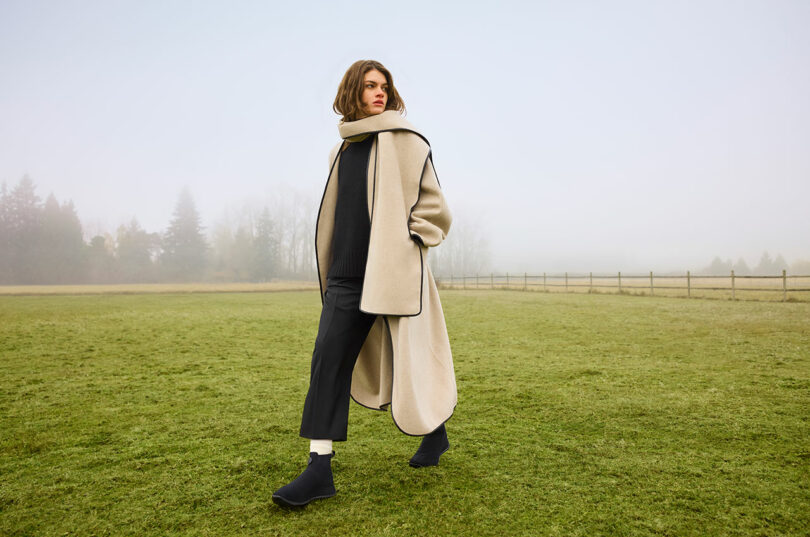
(321,447)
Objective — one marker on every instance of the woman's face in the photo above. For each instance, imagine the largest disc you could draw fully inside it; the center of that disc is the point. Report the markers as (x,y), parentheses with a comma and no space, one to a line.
(375,93)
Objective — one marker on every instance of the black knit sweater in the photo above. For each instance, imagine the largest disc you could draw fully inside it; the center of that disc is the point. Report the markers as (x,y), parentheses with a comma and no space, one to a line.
(352,223)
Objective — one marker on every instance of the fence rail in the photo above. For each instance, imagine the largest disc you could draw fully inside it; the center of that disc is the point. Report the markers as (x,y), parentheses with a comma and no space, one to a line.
(747,287)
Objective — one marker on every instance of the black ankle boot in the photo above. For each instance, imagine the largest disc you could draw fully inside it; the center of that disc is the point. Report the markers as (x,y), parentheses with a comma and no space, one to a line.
(431,448)
(315,482)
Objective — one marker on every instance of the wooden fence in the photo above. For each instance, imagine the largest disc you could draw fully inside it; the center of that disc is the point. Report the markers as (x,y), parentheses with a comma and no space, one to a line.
(785,287)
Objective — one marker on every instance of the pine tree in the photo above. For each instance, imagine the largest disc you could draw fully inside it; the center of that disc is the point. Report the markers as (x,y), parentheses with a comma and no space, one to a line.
(265,248)
(718,267)
(765,266)
(741,268)
(23,214)
(184,246)
(61,245)
(779,264)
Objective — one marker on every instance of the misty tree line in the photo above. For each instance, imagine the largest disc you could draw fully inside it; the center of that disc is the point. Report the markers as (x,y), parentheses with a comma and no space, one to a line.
(767,266)
(42,242)
(39,242)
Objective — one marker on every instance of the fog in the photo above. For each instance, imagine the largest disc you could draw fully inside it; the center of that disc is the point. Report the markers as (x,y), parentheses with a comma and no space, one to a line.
(580,136)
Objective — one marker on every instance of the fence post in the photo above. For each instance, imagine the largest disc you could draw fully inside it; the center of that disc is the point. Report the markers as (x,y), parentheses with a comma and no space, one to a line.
(688,284)
(524,282)
(620,282)
(566,282)
(464,282)
(652,288)
(507,280)
(476,280)
(544,283)
(733,287)
(784,285)
(451,280)
(491,281)
(590,290)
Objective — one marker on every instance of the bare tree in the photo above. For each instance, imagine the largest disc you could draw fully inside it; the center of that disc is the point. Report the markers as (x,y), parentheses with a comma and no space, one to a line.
(295,214)
(465,251)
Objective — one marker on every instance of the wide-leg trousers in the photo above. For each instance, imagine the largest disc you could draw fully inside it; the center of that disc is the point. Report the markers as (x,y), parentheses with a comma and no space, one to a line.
(342,331)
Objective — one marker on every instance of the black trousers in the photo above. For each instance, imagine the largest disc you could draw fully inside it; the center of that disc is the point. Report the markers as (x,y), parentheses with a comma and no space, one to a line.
(342,331)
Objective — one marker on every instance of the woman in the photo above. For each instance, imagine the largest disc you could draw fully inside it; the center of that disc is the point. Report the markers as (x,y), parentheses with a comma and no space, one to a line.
(382,338)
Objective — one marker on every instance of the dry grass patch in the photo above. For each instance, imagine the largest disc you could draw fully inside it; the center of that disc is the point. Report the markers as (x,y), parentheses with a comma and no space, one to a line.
(151,288)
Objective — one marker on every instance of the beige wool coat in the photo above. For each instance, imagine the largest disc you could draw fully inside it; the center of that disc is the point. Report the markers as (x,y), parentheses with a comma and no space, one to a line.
(406,360)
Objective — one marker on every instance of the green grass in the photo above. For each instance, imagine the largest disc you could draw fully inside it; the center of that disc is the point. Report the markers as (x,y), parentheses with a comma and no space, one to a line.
(178,414)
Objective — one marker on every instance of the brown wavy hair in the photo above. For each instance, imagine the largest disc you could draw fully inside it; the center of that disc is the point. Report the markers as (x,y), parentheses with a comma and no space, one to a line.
(348,103)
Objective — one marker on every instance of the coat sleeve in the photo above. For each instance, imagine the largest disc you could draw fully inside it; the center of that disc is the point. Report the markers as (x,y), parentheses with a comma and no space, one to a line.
(430,218)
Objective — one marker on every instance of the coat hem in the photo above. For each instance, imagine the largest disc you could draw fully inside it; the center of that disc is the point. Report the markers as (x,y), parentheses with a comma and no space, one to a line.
(409,434)
(384,408)
(392,384)
(381,409)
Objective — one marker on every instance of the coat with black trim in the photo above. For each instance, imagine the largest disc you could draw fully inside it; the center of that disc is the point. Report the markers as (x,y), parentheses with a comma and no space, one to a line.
(406,361)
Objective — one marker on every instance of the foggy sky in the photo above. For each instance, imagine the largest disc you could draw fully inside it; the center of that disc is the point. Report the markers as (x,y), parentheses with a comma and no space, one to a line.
(576,135)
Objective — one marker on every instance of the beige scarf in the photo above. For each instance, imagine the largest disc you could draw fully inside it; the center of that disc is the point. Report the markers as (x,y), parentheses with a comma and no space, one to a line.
(389,120)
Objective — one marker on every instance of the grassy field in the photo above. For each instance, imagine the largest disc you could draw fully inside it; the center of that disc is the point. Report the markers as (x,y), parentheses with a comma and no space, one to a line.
(144,288)
(177,414)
